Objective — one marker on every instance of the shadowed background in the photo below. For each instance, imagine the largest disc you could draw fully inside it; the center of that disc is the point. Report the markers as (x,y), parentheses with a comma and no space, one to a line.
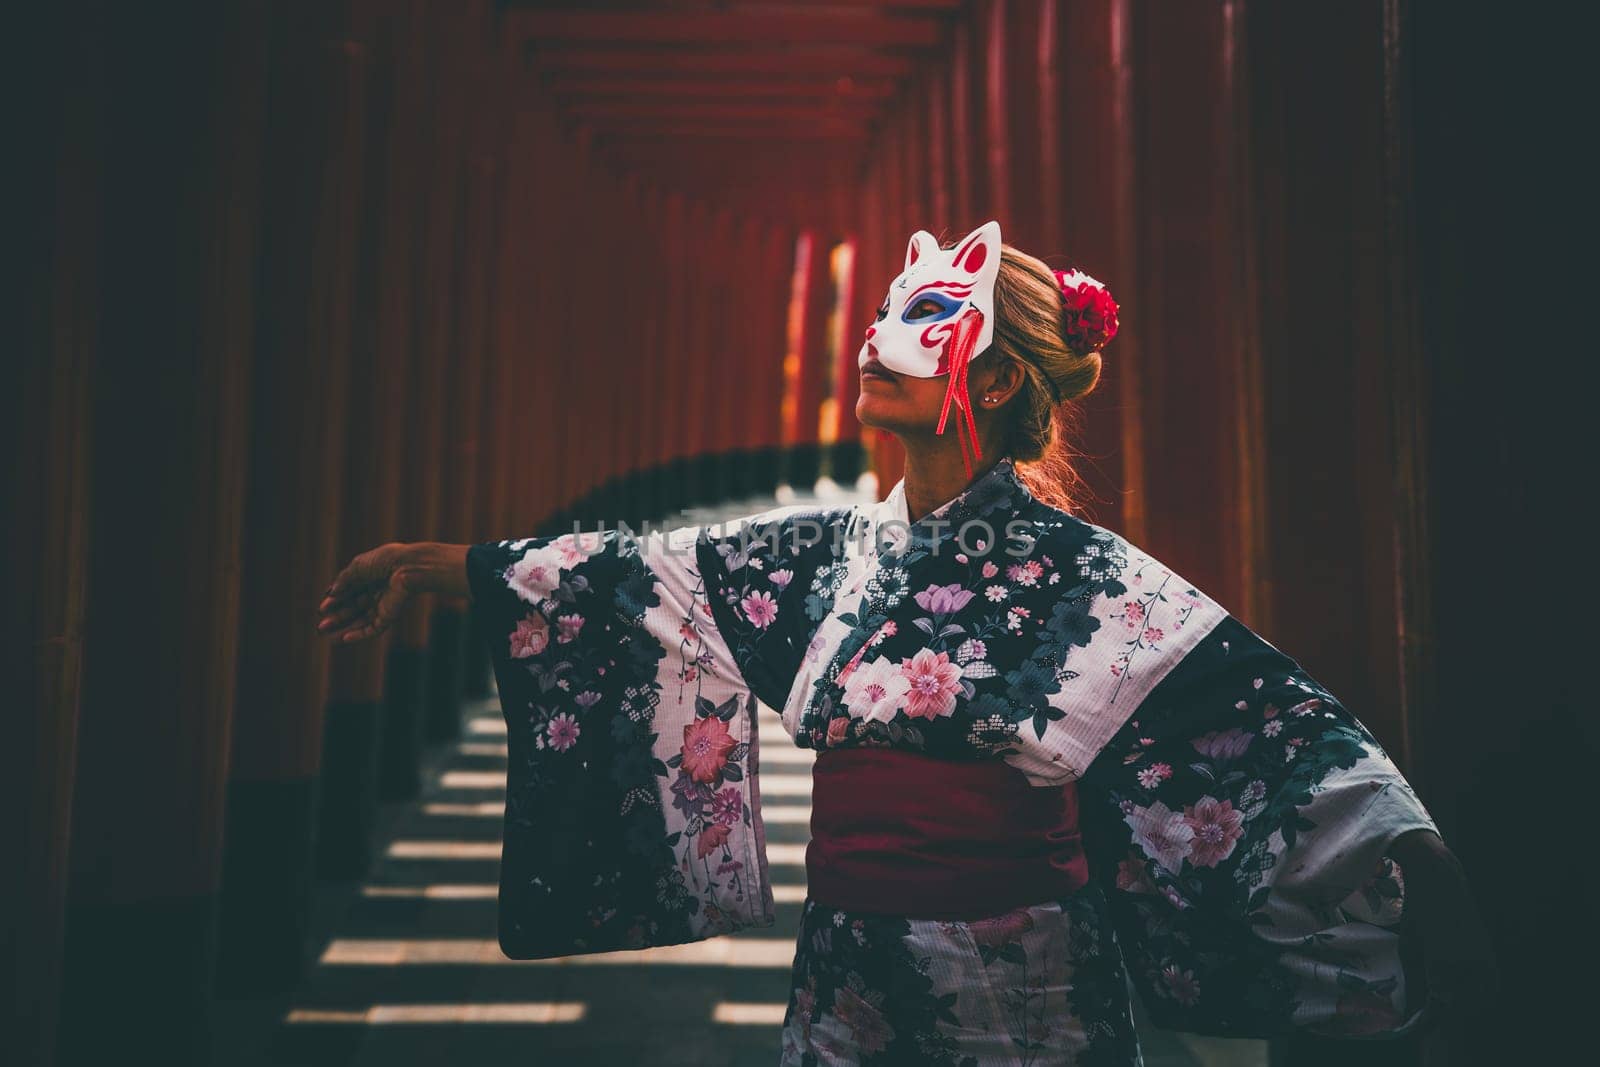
(304,277)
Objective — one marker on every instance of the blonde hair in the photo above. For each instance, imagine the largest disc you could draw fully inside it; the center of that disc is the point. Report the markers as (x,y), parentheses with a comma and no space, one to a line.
(1027,329)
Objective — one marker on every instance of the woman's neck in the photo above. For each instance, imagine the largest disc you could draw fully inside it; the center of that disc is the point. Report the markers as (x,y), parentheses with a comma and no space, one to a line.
(935,477)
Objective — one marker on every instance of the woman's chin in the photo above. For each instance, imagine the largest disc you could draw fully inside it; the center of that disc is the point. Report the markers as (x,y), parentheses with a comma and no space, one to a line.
(879,412)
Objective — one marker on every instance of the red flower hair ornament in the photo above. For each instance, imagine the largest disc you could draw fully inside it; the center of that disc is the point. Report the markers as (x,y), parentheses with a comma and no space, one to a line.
(1088,314)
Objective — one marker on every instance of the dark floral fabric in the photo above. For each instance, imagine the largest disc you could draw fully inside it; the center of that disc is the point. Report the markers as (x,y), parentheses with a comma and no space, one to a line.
(1238,824)
(1034,985)
(587,865)
(1235,814)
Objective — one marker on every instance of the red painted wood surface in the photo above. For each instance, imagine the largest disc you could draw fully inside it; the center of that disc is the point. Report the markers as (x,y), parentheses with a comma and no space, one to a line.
(300,394)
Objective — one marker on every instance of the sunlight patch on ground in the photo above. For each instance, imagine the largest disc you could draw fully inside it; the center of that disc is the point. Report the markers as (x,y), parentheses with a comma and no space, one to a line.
(540,1012)
(749,1014)
(478,952)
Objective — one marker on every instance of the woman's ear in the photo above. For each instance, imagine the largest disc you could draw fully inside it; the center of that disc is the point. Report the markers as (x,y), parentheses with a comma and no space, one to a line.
(1002,379)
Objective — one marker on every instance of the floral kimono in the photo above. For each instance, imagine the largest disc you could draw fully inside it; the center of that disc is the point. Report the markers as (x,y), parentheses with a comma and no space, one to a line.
(1234,813)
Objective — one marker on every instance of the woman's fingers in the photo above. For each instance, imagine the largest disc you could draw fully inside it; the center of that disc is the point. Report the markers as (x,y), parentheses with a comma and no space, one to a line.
(338,614)
(372,612)
(363,571)
(343,618)
(363,599)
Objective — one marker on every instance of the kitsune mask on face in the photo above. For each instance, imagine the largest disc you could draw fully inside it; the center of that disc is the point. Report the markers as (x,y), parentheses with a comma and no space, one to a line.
(939,314)
(941,295)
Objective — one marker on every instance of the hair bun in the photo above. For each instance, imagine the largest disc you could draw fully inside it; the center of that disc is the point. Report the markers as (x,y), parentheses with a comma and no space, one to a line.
(1089,315)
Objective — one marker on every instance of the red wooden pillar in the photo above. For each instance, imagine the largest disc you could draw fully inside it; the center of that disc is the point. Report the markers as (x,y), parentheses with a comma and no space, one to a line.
(935,95)
(1023,26)
(818,372)
(479,451)
(764,414)
(890,235)
(1187,302)
(1047,135)
(169,401)
(604,439)
(515,397)
(668,495)
(806,373)
(315,152)
(547,336)
(897,219)
(643,364)
(993,40)
(457,666)
(847,328)
(432,130)
(530,301)
(1094,199)
(691,366)
(724,339)
(919,157)
(564,271)
(871,282)
(1318,190)
(382,370)
(587,321)
(45,413)
(967,158)
(733,336)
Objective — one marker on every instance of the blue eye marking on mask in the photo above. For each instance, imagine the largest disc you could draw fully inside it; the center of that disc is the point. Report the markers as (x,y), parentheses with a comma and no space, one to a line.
(947,307)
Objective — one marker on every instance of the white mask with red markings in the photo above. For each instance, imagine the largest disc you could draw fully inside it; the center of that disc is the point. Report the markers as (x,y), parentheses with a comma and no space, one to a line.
(938,315)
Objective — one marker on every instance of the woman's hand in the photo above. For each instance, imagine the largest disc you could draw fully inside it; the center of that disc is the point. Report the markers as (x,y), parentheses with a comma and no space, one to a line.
(367,595)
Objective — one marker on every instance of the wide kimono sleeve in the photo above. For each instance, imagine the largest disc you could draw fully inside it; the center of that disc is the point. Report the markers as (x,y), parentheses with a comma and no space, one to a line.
(632,812)
(1239,822)
(630,672)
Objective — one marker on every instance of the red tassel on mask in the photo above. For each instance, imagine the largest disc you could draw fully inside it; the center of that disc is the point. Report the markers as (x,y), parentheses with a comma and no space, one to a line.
(959,350)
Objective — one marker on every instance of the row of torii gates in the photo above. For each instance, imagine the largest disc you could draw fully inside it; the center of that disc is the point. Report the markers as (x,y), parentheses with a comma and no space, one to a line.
(307,277)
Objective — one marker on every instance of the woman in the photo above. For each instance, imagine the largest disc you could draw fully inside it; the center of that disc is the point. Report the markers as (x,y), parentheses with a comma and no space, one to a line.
(1046,763)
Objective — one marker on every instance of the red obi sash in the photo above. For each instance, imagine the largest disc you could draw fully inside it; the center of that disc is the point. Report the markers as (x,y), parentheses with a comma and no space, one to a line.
(895,832)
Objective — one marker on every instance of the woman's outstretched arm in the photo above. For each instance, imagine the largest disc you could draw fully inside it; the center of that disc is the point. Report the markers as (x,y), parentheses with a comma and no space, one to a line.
(368,594)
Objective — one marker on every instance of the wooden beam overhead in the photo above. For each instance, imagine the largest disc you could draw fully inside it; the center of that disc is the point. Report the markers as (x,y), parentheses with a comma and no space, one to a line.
(847,61)
(691,7)
(752,155)
(698,111)
(752,30)
(718,176)
(761,131)
(843,88)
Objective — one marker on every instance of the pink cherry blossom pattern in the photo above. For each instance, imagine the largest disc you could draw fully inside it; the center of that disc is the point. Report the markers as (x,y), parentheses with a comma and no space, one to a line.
(536,575)
(760,609)
(935,681)
(1155,774)
(1025,573)
(562,731)
(706,744)
(531,637)
(876,690)
(870,1030)
(1217,827)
